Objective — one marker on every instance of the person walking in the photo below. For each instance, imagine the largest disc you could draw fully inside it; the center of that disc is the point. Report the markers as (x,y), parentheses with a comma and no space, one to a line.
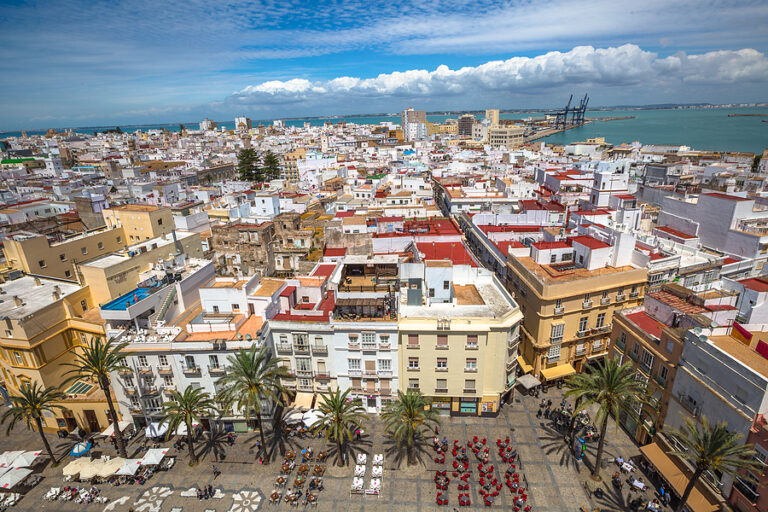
(216,471)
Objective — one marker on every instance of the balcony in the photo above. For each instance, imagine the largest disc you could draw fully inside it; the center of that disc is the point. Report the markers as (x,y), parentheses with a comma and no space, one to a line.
(743,488)
(322,376)
(130,390)
(646,368)
(384,373)
(319,348)
(413,368)
(621,345)
(441,347)
(149,390)
(441,369)
(306,387)
(473,369)
(441,390)
(135,410)
(602,329)
(470,391)
(583,333)
(605,301)
(586,304)
(632,356)
(322,388)
(621,297)
(559,310)
(471,346)
(384,345)
(412,345)
(144,368)
(370,373)
(301,349)
(353,345)
(661,381)
(368,347)
(581,351)
(415,388)
(385,391)
(634,295)
(125,371)
(192,371)
(217,371)
(164,370)
(168,389)
(284,348)
(355,373)
(690,405)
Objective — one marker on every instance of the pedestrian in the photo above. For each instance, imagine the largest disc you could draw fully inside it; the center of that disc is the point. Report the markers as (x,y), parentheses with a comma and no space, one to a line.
(437,430)
(538,413)
(357,433)
(210,491)
(546,412)
(215,471)
(549,403)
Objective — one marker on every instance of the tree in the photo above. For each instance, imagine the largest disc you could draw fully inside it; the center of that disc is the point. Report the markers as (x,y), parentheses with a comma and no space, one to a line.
(756,163)
(271,166)
(711,448)
(614,388)
(252,378)
(248,165)
(408,420)
(29,405)
(96,362)
(186,409)
(182,129)
(341,417)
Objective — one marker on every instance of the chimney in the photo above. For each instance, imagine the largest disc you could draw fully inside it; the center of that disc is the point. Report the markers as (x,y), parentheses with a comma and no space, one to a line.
(17,301)
(55,295)
(38,282)
(57,290)
(176,242)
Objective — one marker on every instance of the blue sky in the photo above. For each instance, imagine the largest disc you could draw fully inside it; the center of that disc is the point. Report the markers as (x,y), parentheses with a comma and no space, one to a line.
(80,63)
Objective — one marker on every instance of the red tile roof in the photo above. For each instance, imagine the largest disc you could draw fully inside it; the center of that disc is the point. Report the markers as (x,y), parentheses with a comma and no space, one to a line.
(755,283)
(729,260)
(729,197)
(334,251)
(489,228)
(324,269)
(674,232)
(288,291)
(505,245)
(451,251)
(647,323)
(588,241)
(625,196)
(550,245)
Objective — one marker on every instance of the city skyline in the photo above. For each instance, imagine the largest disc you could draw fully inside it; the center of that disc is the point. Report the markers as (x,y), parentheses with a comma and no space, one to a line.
(133,63)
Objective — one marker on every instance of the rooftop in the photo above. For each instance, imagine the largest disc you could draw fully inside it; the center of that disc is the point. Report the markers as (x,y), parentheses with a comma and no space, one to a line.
(33,296)
(558,274)
(743,353)
(646,323)
(756,284)
(268,287)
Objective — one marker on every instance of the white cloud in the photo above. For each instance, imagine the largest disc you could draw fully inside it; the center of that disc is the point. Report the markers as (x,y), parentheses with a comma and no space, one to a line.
(626,65)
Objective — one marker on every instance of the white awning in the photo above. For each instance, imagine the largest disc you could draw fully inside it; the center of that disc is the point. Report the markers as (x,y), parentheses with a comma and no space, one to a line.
(13,477)
(129,467)
(74,467)
(26,459)
(123,425)
(528,381)
(311,417)
(293,417)
(7,458)
(154,456)
(156,429)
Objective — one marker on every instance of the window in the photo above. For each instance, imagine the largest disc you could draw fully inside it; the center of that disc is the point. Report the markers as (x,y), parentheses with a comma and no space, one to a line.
(472,341)
(190,362)
(19,359)
(83,305)
(646,360)
(119,240)
(442,340)
(67,273)
(446,285)
(62,257)
(84,250)
(41,263)
(413,363)
(469,385)
(471,364)
(101,245)
(600,320)
(369,339)
(663,371)
(580,348)
(442,385)
(605,294)
(554,353)
(385,365)
(354,364)
(135,403)
(143,361)
(168,380)
(235,307)
(553,258)
(567,256)
(586,297)
(215,309)
(163,359)
(431,292)
(413,383)
(559,303)
(670,346)
(159,222)
(442,363)
(128,380)
(213,361)
(557,333)
(413,340)
(583,324)
(597,345)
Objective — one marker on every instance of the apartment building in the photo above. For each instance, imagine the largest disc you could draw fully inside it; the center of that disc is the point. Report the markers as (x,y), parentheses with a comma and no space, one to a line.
(290,167)
(654,351)
(458,337)
(568,291)
(509,137)
(36,254)
(140,221)
(750,489)
(244,248)
(43,325)
(414,124)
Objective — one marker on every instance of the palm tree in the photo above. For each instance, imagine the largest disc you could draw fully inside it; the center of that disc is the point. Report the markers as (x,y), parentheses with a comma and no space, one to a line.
(409,418)
(29,405)
(711,448)
(96,361)
(252,377)
(614,388)
(186,409)
(341,417)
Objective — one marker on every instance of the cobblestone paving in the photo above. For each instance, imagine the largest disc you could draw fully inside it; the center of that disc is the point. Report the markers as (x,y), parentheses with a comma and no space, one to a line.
(556,481)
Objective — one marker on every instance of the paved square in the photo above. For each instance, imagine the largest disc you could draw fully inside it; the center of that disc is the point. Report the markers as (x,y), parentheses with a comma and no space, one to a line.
(555,480)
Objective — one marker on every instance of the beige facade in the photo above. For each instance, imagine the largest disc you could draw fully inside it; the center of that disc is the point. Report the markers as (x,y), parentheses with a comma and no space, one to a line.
(461,354)
(290,165)
(448,128)
(116,274)
(35,254)
(568,313)
(140,221)
(654,350)
(509,137)
(43,327)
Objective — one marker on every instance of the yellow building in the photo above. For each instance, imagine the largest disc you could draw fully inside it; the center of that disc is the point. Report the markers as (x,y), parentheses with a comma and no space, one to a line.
(458,337)
(568,293)
(290,166)
(510,137)
(120,272)
(43,326)
(447,128)
(492,116)
(140,221)
(35,254)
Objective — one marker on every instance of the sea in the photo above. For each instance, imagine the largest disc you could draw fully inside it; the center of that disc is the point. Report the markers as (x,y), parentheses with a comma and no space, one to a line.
(698,128)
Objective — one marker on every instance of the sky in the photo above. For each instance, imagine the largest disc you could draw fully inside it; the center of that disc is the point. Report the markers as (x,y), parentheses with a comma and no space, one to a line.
(89,63)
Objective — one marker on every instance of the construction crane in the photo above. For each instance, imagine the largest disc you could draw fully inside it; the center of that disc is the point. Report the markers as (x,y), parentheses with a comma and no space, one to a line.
(561,117)
(577,113)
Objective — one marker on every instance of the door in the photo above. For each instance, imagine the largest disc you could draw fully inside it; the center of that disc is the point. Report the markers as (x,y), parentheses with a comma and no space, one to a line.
(70,419)
(251,310)
(93,423)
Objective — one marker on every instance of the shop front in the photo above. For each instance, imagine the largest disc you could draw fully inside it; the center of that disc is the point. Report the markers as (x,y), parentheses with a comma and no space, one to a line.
(442,405)
(467,406)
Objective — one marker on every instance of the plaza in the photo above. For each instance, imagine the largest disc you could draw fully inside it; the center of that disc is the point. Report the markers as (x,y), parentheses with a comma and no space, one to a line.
(555,481)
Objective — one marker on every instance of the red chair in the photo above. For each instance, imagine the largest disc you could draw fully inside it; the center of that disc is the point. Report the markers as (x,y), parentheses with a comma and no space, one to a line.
(474,439)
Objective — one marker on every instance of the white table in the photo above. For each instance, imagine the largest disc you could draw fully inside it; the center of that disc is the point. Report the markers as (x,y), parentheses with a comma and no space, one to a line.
(637,484)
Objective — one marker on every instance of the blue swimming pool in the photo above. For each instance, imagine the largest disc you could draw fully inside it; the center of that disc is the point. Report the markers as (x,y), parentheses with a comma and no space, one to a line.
(121,303)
